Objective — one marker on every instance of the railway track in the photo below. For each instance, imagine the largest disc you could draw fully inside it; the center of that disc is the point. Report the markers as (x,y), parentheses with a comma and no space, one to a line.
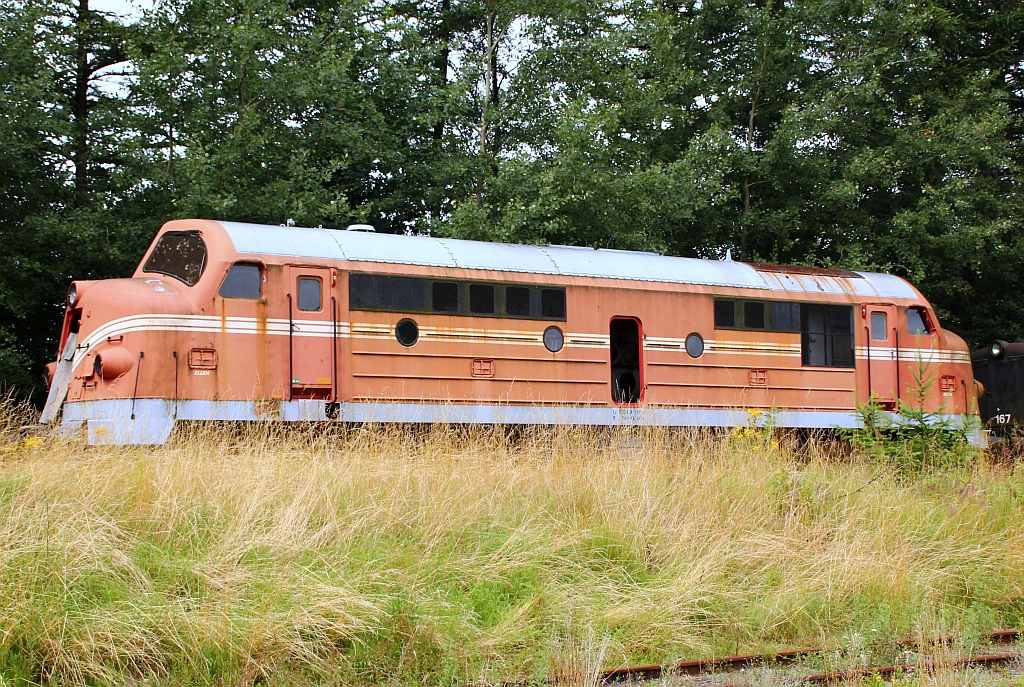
(732,664)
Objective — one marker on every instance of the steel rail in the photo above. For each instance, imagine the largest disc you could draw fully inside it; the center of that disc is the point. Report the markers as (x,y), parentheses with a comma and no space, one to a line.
(729,664)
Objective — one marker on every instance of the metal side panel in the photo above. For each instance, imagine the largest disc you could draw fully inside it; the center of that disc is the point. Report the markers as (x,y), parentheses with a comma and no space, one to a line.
(121,421)
(111,422)
(61,378)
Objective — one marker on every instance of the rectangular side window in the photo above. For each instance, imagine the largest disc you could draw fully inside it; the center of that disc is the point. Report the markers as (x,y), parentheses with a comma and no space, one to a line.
(725,314)
(840,332)
(408,294)
(785,317)
(401,294)
(552,304)
(243,281)
(753,315)
(481,299)
(917,322)
(445,297)
(879,326)
(826,335)
(517,301)
(309,289)
(368,292)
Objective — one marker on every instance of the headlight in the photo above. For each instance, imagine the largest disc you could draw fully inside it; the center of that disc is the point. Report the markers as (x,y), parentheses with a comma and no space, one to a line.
(998,349)
(72,295)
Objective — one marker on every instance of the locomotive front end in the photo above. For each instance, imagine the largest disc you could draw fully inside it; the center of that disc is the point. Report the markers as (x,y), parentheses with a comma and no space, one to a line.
(112,376)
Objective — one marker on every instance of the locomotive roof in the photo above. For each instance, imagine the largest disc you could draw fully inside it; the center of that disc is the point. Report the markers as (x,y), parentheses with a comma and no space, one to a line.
(335,244)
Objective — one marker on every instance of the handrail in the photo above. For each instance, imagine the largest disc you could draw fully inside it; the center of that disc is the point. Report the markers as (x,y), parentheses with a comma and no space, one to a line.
(899,390)
(867,334)
(291,349)
(334,347)
(138,373)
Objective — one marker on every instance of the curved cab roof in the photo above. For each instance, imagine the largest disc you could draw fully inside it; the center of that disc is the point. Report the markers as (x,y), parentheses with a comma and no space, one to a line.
(570,261)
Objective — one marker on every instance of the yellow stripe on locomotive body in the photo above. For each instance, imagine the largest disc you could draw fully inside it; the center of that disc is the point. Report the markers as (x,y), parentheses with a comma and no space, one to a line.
(233,321)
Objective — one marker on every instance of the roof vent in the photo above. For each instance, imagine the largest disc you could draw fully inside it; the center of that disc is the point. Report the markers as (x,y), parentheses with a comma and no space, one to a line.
(360,227)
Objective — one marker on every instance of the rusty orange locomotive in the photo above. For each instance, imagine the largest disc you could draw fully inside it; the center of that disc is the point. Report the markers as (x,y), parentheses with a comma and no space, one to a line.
(230,321)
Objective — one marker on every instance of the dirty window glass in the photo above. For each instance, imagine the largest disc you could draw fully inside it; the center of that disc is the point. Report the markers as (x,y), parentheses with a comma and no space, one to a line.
(243,281)
(481,299)
(178,254)
(753,315)
(517,301)
(725,313)
(879,326)
(552,303)
(309,294)
(917,321)
(445,297)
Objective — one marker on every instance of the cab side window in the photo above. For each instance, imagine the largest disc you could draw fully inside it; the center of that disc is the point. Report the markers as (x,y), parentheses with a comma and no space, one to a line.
(917,322)
(244,280)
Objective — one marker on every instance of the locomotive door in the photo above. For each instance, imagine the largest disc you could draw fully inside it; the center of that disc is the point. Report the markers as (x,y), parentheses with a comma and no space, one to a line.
(312,340)
(626,339)
(883,375)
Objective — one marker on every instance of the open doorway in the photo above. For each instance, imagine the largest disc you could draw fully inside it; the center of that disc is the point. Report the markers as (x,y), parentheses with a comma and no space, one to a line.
(627,365)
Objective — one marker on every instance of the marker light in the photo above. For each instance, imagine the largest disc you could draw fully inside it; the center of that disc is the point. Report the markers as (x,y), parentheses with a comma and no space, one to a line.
(998,349)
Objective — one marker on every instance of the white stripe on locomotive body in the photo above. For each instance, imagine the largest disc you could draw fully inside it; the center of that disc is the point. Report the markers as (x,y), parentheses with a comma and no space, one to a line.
(355,330)
(150,420)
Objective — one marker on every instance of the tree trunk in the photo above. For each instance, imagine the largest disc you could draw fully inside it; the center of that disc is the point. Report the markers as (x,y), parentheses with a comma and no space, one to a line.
(441,64)
(80,103)
(490,64)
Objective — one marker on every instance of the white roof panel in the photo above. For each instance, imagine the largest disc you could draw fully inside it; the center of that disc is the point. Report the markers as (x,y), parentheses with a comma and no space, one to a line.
(568,261)
(889,286)
(295,241)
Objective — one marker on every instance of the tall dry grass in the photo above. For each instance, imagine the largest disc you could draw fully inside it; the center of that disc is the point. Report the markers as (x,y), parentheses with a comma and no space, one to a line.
(382,555)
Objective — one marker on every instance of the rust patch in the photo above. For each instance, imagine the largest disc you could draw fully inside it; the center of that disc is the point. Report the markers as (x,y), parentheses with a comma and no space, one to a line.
(223,346)
(805,270)
(262,312)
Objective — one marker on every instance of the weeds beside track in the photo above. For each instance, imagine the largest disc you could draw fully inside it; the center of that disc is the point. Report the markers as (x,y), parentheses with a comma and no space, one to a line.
(294,556)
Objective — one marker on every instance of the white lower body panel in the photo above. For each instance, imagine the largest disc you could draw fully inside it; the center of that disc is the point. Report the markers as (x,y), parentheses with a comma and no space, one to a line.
(150,421)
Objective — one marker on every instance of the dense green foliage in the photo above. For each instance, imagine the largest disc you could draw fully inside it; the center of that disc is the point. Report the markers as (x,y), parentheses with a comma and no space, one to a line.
(859,133)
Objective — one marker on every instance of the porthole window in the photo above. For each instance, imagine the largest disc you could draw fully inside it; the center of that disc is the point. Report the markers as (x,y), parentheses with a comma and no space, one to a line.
(407,332)
(695,345)
(553,339)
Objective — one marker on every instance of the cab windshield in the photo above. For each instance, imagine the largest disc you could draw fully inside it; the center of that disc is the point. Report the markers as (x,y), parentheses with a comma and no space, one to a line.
(178,254)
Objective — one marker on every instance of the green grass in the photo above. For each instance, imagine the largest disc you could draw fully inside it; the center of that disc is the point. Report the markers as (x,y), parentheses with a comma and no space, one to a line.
(378,556)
